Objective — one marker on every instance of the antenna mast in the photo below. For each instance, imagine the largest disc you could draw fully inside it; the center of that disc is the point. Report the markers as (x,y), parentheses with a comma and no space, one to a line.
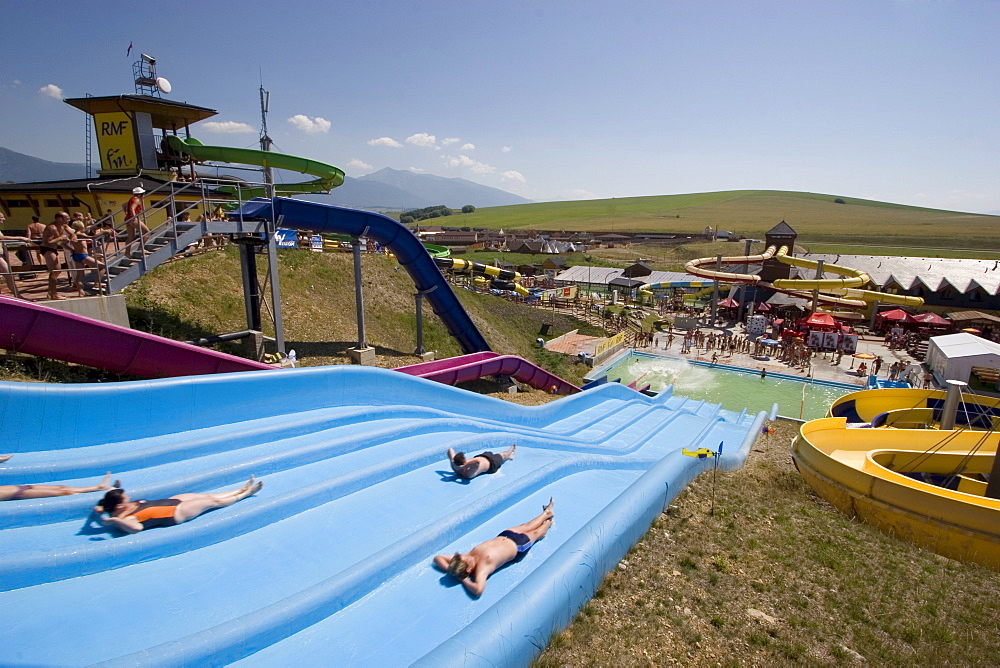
(265,140)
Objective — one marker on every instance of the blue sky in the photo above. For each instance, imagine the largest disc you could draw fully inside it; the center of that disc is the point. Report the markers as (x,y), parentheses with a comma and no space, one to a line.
(884,99)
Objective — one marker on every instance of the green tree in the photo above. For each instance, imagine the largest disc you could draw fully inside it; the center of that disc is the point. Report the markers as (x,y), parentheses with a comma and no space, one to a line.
(468,208)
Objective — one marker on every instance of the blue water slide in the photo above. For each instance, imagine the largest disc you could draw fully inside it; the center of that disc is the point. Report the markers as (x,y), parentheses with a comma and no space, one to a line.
(408,249)
(331,562)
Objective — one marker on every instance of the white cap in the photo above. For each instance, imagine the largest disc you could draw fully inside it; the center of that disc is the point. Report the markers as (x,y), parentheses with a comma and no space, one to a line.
(138,190)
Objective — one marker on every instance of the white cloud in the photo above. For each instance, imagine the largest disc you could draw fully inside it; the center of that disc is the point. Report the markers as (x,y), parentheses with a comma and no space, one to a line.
(506,149)
(468,147)
(358,164)
(422,139)
(513,177)
(52,90)
(17,82)
(227,127)
(417,169)
(310,125)
(385,141)
(474,165)
(450,140)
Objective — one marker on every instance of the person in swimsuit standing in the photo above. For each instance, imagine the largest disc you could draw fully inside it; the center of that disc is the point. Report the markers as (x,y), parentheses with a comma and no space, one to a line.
(486,462)
(131,516)
(50,248)
(135,226)
(19,492)
(473,567)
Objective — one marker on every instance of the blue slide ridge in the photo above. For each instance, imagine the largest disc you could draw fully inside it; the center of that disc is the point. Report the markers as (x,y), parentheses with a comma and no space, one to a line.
(408,249)
(331,562)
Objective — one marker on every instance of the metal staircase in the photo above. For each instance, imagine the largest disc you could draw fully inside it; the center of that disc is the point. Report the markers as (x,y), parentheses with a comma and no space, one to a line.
(124,265)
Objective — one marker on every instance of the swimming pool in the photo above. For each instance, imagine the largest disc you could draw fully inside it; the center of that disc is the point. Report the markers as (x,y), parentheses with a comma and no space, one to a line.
(733,387)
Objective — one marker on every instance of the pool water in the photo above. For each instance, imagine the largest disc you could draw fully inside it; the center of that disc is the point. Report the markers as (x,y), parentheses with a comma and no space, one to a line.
(732,387)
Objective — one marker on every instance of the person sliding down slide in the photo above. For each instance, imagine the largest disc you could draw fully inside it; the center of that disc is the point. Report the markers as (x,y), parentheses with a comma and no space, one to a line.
(19,492)
(485,462)
(134,516)
(473,567)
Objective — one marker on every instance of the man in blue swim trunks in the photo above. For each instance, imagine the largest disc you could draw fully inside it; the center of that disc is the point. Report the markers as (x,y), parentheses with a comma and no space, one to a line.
(473,567)
(485,462)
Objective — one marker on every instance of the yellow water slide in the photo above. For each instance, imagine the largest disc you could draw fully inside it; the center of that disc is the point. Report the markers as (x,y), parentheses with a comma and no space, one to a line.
(885,477)
(846,288)
(844,291)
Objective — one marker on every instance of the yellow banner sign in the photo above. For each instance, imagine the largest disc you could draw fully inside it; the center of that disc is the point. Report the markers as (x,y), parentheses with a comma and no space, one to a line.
(116,142)
(605,346)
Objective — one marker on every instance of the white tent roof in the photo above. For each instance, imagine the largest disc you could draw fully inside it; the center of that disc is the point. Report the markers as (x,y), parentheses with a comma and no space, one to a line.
(964,344)
(952,356)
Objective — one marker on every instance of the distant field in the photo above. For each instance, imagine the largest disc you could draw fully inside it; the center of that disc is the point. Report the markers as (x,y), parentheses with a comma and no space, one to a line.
(817,219)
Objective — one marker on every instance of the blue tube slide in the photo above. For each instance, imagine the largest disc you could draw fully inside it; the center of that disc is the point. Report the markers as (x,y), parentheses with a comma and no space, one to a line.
(408,249)
(331,562)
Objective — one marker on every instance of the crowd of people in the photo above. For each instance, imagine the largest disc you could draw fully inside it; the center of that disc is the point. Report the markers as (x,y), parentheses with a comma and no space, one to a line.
(82,245)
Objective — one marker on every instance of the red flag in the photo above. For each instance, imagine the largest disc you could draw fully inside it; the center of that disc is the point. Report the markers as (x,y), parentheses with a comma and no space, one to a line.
(129,52)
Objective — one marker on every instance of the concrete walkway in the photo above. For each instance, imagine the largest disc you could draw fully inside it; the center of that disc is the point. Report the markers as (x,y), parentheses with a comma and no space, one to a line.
(822,364)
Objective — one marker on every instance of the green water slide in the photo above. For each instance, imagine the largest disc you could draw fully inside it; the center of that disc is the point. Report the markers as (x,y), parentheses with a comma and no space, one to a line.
(329,176)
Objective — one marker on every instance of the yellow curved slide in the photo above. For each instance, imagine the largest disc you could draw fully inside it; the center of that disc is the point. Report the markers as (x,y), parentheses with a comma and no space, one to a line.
(878,476)
(839,291)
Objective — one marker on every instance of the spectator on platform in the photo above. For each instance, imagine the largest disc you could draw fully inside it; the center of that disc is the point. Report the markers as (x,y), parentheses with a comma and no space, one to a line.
(8,276)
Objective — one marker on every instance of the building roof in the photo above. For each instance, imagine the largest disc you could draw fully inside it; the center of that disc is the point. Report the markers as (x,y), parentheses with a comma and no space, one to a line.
(598,275)
(98,184)
(909,273)
(165,114)
(971,316)
(782,229)
(964,345)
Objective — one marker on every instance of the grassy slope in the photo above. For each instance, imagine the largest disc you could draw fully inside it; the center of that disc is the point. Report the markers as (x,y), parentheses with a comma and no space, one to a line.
(318,307)
(691,591)
(816,217)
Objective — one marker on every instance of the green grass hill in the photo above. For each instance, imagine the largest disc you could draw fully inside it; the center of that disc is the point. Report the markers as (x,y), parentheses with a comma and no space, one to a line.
(817,218)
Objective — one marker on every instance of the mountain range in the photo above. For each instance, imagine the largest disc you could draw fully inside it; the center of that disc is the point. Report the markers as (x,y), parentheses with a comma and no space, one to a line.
(386,189)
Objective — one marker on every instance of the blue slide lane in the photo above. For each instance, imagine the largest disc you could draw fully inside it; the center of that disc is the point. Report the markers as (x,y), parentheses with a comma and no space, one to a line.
(408,249)
(331,562)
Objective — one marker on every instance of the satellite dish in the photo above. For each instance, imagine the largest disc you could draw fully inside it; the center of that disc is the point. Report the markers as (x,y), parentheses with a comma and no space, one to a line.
(163,85)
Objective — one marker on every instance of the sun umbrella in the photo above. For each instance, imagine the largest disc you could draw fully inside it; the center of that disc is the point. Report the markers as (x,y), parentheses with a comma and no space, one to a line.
(972,330)
(861,356)
(728,302)
(931,319)
(770,342)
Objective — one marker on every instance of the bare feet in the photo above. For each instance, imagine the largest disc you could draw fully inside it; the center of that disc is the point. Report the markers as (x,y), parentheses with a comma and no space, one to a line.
(105,484)
(510,451)
(4,458)
(548,508)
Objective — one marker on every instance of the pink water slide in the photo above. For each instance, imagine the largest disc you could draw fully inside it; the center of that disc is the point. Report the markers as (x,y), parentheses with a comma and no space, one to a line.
(47,332)
(464,368)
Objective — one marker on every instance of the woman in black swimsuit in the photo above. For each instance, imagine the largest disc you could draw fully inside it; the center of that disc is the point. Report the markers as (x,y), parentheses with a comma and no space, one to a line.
(134,516)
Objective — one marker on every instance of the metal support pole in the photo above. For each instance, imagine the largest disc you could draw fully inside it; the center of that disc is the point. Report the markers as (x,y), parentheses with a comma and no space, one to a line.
(272,265)
(358,296)
(951,402)
(715,291)
(819,274)
(251,287)
(419,299)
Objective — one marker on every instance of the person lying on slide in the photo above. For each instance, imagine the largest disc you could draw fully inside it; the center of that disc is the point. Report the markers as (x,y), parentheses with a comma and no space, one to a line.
(486,462)
(131,516)
(473,567)
(19,492)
